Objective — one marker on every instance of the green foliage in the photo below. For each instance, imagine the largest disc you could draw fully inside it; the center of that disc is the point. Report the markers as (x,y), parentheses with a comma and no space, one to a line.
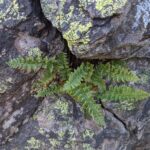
(62,66)
(85,84)
(84,95)
(115,72)
(124,93)
(53,88)
(26,63)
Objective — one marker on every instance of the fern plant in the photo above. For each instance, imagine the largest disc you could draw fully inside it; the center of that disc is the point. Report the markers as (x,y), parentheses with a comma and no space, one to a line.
(85,84)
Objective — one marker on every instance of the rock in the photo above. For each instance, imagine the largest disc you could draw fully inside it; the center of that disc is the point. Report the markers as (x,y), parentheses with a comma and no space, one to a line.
(59,123)
(54,127)
(16,102)
(92,29)
(13,12)
(102,29)
(22,32)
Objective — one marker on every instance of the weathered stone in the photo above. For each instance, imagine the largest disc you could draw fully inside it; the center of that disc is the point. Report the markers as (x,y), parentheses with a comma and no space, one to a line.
(13,12)
(60,124)
(102,29)
(20,34)
(93,29)
(54,127)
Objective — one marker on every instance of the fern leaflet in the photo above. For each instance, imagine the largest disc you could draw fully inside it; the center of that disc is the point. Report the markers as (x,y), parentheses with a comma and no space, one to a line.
(84,95)
(124,93)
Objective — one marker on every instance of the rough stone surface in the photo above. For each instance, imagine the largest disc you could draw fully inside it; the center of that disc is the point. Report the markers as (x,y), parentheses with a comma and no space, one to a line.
(59,124)
(54,127)
(93,29)
(20,34)
(13,12)
(102,29)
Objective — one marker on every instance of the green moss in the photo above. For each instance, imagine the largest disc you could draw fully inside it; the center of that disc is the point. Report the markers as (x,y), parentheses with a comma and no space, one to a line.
(109,7)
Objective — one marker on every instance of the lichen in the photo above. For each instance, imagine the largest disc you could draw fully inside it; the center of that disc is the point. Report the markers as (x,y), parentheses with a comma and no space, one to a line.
(88,133)
(34,143)
(73,35)
(10,11)
(142,13)
(61,133)
(41,131)
(54,142)
(3,88)
(62,106)
(109,7)
(34,52)
(87,146)
(73,22)
(5,84)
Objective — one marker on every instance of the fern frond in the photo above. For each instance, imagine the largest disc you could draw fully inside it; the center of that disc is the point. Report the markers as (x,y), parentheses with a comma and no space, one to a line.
(84,84)
(84,95)
(97,80)
(48,91)
(124,93)
(75,78)
(63,66)
(28,63)
(48,75)
(116,72)
(89,69)
(83,72)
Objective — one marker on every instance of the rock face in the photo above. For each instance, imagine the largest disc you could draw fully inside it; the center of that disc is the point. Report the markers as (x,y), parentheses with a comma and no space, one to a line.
(22,30)
(59,124)
(110,29)
(14,12)
(102,29)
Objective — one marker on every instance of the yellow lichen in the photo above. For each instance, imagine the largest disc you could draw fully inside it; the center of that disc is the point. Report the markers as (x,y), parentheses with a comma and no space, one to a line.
(76,28)
(34,143)
(109,7)
(34,52)
(62,106)
(10,12)
(3,88)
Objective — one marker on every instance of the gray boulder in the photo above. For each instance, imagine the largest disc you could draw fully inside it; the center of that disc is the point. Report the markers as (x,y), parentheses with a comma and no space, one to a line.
(92,29)
(22,32)
(102,29)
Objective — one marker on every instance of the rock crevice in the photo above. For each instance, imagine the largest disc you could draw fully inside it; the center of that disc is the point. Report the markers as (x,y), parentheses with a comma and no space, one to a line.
(118,32)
